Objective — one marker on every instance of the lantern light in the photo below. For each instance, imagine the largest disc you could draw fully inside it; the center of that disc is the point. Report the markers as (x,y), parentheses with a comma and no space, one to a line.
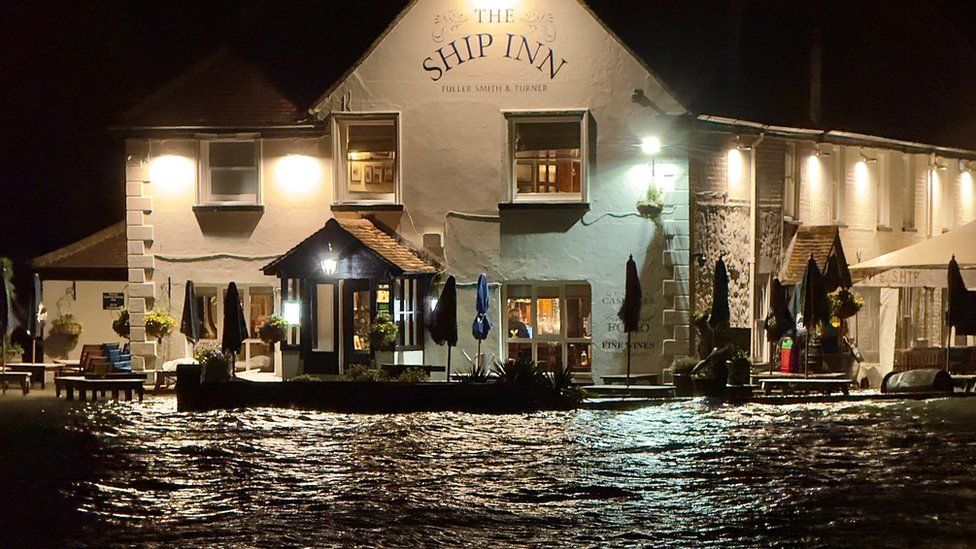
(330,263)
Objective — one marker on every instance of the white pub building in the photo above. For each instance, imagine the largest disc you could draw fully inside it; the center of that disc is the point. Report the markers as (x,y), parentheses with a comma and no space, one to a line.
(514,140)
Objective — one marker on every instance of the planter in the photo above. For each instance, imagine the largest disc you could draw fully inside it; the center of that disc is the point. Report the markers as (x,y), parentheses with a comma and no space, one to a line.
(683,385)
(707,387)
(649,209)
(215,372)
(72,329)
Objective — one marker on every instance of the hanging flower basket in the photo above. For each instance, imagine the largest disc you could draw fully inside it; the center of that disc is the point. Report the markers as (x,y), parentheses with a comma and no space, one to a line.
(273,330)
(845,304)
(66,325)
(649,208)
(121,324)
(159,324)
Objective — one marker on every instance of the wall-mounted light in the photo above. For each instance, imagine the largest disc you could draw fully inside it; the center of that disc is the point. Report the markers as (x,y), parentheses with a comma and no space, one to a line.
(651,144)
(330,263)
(823,149)
(172,171)
(291,311)
(866,158)
(298,172)
(739,145)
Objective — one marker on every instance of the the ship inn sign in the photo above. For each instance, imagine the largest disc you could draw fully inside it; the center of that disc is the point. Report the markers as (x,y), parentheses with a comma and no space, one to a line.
(461,37)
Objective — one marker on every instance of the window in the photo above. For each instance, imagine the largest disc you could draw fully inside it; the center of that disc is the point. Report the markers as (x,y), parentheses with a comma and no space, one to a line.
(231,171)
(408,313)
(908,194)
(368,158)
(791,181)
(550,323)
(839,205)
(547,153)
(259,304)
(883,178)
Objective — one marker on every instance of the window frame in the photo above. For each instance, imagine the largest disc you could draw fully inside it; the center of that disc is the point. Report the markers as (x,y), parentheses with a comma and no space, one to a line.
(412,339)
(514,117)
(908,205)
(562,339)
(791,182)
(340,165)
(204,195)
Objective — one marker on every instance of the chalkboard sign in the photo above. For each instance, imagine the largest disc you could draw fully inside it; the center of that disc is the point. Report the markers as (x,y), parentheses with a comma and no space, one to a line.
(113,301)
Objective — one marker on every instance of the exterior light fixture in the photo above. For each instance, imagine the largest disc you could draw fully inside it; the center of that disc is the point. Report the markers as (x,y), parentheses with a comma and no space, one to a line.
(866,158)
(292,312)
(330,263)
(823,151)
(651,144)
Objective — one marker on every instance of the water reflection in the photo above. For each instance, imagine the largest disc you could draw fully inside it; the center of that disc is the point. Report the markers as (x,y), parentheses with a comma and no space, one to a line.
(879,473)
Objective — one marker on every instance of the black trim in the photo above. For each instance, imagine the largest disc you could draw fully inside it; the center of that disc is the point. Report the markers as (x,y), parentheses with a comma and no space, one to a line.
(367,207)
(576,206)
(207,208)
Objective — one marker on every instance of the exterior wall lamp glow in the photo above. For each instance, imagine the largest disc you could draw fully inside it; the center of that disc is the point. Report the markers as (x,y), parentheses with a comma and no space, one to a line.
(651,145)
(330,263)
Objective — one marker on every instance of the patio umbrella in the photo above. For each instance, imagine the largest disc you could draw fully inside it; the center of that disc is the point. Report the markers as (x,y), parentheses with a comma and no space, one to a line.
(720,296)
(482,324)
(779,320)
(191,324)
(235,329)
(629,312)
(5,324)
(442,322)
(816,308)
(961,310)
(35,328)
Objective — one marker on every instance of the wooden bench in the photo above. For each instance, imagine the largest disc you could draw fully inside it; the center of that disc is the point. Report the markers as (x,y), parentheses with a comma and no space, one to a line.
(635,379)
(21,378)
(115,386)
(37,370)
(965,382)
(789,385)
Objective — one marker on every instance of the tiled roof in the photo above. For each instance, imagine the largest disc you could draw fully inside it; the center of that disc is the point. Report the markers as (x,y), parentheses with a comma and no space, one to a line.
(222,90)
(100,252)
(823,242)
(392,248)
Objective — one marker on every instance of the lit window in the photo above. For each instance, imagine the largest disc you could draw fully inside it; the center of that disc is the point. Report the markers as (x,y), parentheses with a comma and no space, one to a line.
(549,323)
(231,171)
(408,313)
(548,153)
(367,150)
(258,301)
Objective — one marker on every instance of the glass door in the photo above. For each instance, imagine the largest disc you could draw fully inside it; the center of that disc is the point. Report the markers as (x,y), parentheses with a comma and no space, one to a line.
(322,356)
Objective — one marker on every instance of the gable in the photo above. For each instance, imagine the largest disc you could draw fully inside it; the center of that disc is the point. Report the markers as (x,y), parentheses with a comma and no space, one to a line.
(541,51)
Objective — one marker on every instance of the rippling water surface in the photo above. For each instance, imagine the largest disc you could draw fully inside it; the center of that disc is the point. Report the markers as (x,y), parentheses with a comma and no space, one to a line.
(682,474)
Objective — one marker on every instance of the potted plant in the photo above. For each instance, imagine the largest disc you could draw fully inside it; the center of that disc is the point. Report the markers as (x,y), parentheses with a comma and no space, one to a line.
(121,325)
(382,338)
(214,364)
(653,202)
(159,324)
(65,324)
(273,330)
(13,352)
(681,376)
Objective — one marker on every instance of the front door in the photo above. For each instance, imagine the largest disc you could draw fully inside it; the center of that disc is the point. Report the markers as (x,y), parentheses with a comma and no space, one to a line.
(323,344)
(357,306)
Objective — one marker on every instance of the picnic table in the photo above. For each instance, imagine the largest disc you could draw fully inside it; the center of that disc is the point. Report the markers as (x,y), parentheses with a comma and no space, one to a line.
(37,370)
(787,385)
(115,386)
(21,378)
(635,379)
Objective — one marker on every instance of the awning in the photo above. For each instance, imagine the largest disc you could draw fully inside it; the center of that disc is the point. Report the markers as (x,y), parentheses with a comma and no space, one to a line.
(933,253)
(366,249)
(823,242)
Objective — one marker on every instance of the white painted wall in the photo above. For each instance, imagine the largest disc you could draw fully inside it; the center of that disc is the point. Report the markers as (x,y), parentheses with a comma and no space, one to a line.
(96,323)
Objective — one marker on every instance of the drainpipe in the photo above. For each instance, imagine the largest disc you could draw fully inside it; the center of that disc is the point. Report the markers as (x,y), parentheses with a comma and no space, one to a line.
(753,240)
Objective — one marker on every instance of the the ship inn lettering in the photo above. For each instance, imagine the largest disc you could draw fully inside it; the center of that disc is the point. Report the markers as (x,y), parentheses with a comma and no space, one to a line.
(522,47)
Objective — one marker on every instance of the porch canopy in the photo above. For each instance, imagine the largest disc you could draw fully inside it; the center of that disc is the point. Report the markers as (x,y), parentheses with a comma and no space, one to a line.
(923,264)
(823,243)
(365,250)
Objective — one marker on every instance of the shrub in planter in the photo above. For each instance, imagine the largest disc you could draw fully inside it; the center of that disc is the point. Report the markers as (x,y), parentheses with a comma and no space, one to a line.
(121,325)
(273,330)
(159,324)
(362,372)
(413,375)
(13,351)
(214,363)
(382,333)
(65,324)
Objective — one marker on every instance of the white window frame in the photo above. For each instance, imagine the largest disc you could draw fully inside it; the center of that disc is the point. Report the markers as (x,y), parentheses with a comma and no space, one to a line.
(908,220)
(884,185)
(204,196)
(562,339)
(245,293)
(544,116)
(339,122)
(791,183)
(839,175)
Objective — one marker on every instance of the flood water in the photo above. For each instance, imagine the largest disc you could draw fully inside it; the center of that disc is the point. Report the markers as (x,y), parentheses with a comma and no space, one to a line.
(893,473)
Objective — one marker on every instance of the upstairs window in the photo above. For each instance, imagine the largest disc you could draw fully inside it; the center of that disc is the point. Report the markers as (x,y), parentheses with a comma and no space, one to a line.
(368,158)
(548,156)
(231,171)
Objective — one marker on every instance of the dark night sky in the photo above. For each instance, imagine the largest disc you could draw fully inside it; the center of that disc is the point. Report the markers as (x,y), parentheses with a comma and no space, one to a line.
(67,69)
